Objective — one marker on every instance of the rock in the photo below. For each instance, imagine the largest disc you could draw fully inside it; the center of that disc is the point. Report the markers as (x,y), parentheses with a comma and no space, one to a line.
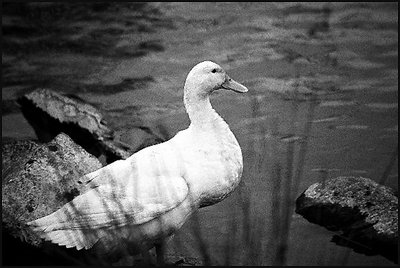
(38,179)
(363,212)
(51,113)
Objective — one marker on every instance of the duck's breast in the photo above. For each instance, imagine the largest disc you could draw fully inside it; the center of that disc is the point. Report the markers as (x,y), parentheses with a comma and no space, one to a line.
(213,163)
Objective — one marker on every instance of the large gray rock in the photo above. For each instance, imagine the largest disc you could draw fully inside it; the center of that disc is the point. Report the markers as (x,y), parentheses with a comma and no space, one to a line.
(38,179)
(50,113)
(363,212)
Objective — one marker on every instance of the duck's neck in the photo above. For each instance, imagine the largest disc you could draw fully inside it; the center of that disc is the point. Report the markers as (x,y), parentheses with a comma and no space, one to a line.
(200,111)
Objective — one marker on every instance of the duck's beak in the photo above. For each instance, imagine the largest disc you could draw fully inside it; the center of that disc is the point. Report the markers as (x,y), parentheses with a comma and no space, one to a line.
(233,85)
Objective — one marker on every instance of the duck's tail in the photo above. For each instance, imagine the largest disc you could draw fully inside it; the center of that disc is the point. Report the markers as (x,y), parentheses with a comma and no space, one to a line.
(58,228)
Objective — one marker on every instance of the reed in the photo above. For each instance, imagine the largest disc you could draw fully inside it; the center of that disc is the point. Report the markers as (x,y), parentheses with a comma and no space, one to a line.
(201,243)
(390,165)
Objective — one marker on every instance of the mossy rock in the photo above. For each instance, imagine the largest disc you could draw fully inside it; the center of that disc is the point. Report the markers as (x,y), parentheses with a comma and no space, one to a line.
(362,211)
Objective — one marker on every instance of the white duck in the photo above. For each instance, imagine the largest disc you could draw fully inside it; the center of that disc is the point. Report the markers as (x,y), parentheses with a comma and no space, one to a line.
(137,203)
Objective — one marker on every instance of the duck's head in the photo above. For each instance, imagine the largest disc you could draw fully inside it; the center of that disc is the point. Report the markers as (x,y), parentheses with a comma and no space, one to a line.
(208,76)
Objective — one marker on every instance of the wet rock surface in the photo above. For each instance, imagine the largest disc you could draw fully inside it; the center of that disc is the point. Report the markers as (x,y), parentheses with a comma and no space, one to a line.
(38,179)
(364,213)
(51,113)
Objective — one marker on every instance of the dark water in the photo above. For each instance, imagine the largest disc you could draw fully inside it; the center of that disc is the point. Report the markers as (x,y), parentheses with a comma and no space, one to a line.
(130,60)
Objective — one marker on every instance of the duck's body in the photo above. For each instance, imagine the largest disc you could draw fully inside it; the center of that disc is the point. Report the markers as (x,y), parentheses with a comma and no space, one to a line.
(138,202)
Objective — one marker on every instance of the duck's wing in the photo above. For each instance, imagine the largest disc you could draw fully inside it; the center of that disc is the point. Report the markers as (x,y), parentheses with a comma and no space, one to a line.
(130,192)
(116,171)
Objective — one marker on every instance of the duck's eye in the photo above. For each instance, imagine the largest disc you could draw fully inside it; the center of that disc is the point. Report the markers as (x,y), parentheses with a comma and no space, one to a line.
(214,71)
